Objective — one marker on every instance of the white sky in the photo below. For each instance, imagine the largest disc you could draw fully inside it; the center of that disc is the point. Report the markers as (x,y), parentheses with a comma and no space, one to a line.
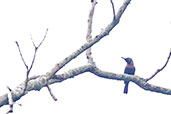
(143,34)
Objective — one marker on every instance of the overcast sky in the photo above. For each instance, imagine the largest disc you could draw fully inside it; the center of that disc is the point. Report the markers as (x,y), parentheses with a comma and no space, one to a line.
(143,34)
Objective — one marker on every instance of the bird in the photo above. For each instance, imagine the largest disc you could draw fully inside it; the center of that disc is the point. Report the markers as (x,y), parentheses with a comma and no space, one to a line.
(129,69)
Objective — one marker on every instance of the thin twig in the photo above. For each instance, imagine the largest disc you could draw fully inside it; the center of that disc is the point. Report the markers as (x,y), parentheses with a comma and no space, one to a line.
(36,48)
(51,94)
(43,38)
(158,70)
(113,8)
(21,55)
(41,41)
(10,100)
(32,40)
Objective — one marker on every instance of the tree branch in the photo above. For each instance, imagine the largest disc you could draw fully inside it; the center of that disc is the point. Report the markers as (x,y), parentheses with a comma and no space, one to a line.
(21,55)
(87,45)
(89,37)
(38,82)
(34,57)
(113,8)
(158,70)
(51,94)
(141,82)
(10,100)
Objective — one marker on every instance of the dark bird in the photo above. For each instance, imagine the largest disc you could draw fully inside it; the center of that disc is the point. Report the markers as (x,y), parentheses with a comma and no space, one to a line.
(129,69)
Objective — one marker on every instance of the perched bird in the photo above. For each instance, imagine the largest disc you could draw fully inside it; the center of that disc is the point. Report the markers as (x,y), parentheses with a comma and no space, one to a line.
(129,69)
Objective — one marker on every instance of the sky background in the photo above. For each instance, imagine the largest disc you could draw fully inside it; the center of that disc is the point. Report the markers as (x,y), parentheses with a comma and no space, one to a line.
(143,34)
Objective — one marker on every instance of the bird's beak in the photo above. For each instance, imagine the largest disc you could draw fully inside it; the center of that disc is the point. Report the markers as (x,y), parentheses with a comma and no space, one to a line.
(123,58)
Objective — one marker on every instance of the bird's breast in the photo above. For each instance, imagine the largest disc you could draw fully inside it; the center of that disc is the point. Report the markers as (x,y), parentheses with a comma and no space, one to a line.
(130,69)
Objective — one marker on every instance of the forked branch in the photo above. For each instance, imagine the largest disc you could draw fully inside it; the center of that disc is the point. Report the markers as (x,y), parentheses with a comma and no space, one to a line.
(89,44)
(34,56)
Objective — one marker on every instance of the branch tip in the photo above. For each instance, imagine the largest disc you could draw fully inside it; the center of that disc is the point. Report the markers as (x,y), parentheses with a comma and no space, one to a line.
(50,91)
(113,8)
(159,70)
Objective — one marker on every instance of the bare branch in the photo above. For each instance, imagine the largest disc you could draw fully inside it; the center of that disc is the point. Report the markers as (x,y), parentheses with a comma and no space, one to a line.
(43,38)
(122,9)
(40,42)
(28,71)
(36,48)
(116,20)
(34,56)
(89,37)
(52,95)
(158,70)
(141,82)
(21,55)
(39,82)
(113,8)
(32,40)
(10,100)
(87,45)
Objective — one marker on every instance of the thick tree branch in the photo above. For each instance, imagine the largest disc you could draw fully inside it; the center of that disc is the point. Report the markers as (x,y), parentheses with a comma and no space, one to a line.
(38,82)
(141,82)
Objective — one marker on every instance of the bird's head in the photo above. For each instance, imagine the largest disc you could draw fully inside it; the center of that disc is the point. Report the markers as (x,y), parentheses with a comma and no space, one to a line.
(128,60)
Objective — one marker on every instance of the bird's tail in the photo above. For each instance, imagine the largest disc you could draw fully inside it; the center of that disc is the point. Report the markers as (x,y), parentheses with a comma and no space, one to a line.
(126,87)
